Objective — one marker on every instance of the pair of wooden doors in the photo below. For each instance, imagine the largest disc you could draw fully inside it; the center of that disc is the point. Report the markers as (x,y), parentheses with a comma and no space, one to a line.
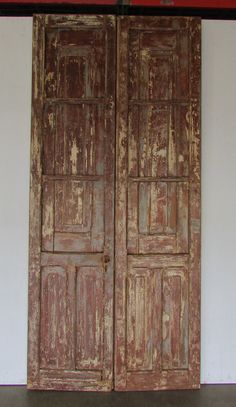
(114,279)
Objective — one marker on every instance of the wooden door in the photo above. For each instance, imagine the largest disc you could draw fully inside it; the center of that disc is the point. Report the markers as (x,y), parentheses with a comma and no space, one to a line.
(72,204)
(157,283)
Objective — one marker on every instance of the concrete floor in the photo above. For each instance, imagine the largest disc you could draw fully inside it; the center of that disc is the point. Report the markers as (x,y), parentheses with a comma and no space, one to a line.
(208,396)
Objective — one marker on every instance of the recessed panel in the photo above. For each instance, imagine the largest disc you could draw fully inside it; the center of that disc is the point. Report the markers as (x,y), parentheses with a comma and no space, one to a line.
(73,142)
(156,75)
(56,336)
(149,140)
(79,64)
(73,206)
(73,215)
(153,141)
(79,143)
(143,289)
(158,64)
(159,40)
(158,140)
(90,314)
(175,320)
(158,217)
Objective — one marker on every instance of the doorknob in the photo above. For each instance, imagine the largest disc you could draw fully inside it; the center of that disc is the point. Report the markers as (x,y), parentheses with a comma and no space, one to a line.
(106,260)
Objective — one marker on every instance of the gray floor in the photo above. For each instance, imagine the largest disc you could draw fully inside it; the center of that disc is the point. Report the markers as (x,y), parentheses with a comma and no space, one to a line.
(208,396)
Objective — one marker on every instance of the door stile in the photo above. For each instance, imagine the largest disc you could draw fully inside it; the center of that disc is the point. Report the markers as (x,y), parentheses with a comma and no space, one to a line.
(121,204)
(109,197)
(35,201)
(195,201)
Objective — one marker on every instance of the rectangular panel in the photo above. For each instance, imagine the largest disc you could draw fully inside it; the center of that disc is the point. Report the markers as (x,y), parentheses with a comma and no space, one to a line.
(144,208)
(157,315)
(159,140)
(78,132)
(158,207)
(158,216)
(73,215)
(90,318)
(163,41)
(143,319)
(133,213)
(155,69)
(175,320)
(183,217)
(159,66)
(77,259)
(158,244)
(178,146)
(157,261)
(79,216)
(75,63)
(73,206)
(153,141)
(134,147)
(72,339)
(48,227)
(56,333)
(182,126)
(48,153)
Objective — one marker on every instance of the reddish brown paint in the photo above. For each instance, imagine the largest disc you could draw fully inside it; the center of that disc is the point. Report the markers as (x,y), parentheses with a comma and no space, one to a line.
(157,204)
(71,274)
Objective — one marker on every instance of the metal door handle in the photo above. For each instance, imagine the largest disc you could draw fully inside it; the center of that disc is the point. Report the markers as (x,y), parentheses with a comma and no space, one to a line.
(106,260)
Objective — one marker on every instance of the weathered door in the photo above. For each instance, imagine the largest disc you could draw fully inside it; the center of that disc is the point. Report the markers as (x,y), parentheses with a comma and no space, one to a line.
(72,202)
(152,300)
(157,282)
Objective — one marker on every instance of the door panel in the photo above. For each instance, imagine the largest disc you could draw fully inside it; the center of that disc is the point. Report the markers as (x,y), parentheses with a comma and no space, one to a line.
(72,204)
(158,217)
(157,204)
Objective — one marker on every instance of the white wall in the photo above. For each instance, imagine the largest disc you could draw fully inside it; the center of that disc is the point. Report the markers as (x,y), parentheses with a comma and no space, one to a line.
(15,101)
(218,198)
(218,201)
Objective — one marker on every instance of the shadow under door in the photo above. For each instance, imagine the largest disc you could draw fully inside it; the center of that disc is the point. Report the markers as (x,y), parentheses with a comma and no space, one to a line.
(114,276)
